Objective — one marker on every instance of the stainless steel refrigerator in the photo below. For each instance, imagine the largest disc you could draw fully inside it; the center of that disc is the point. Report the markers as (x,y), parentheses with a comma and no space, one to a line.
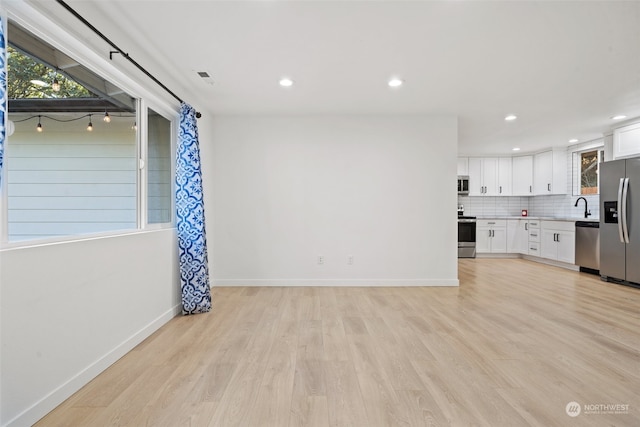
(620,221)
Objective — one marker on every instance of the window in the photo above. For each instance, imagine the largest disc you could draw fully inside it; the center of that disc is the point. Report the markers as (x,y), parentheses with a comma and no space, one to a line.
(586,178)
(589,172)
(72,159)
(159,176)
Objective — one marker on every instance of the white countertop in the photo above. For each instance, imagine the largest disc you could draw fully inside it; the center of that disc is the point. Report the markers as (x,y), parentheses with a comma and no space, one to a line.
(548,218)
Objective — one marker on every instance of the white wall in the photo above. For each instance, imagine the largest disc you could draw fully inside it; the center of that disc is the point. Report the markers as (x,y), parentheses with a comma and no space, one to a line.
(69,310)
(290,189)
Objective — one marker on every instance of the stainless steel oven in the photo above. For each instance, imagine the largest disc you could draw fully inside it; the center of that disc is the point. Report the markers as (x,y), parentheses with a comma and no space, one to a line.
(466,236)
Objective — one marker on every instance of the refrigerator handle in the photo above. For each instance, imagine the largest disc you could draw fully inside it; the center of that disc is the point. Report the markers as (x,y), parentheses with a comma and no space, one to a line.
(625,196)
(620,211)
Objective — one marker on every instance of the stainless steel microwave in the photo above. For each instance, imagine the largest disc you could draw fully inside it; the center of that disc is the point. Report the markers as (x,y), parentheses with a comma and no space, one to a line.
(463,184)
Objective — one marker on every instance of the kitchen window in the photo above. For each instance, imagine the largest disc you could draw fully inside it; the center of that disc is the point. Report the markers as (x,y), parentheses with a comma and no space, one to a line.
(585,171)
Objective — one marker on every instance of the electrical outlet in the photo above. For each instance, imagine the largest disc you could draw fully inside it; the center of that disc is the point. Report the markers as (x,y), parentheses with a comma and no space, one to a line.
(350,260)
(320,259)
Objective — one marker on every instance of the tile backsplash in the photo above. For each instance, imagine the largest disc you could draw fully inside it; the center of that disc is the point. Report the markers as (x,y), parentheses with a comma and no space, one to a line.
(561,206)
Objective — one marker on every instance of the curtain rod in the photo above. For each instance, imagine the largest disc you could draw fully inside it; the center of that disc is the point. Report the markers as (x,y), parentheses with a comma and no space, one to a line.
(120,51)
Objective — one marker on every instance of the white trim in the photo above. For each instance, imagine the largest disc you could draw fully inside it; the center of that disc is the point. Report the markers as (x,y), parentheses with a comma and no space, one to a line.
(552,262)
(142,135)
(337,282)
(26,244)
(38,410)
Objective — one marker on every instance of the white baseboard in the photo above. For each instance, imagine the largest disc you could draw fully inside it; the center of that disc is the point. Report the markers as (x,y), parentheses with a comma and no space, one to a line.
(496,255)
(336,282)
(552,262)
(531,258)
(41,408)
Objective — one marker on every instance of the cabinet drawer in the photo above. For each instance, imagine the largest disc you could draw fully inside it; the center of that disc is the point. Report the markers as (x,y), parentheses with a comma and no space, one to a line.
(559,225)
(534,224)
(491,223)
(534,248)
(534,235)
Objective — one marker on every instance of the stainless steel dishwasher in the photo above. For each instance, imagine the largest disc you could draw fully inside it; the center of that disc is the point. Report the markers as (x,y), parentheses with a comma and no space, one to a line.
(588,246)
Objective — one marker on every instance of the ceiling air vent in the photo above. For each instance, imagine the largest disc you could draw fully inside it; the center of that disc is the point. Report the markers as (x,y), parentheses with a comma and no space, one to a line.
(206,77)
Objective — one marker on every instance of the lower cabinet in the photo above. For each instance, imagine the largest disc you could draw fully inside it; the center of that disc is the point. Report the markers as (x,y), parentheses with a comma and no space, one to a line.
(517,236)
(558,241)
(491,236)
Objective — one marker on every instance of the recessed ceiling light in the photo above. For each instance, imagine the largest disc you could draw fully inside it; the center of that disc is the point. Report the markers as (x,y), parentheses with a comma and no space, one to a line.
(286,82)
(395,82)
(619,117)
(516,149)
(511,117)
(573,140)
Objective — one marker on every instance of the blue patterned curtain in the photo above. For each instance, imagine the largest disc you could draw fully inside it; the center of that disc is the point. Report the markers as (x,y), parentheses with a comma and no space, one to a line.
(3,93)
(192,241)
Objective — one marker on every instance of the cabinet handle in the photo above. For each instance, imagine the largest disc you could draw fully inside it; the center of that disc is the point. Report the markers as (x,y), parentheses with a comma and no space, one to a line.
(536,235)
(526,226)
(501,189)
(533,249)
(530,189)
(548,187)
(491,222)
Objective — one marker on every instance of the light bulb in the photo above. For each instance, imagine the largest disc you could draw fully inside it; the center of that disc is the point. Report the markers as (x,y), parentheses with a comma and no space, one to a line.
(395,82)
(135,126)
(55,86)
(90,125)
(39,127)
(107,117)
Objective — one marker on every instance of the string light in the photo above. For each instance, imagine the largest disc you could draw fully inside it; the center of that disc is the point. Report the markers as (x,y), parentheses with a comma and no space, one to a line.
(55,86)
(107,117)
(40,127)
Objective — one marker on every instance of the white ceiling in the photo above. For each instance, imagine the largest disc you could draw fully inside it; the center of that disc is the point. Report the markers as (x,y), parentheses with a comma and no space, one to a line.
(564,68)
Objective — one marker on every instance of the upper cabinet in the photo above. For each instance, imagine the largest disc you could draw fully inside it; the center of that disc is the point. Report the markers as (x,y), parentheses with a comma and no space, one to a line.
(540,174)
(505,173)
(550,172)
(626,141)
(522,176)
(489,176)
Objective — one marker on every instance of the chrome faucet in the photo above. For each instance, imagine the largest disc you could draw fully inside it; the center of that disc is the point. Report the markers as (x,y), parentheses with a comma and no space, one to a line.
(586,212)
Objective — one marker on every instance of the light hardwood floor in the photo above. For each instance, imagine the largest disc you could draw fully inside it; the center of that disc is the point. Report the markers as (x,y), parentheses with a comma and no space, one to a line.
(512,346)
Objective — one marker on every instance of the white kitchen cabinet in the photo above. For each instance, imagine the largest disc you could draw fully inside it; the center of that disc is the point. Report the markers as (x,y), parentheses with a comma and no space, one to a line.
(489,176)
(626,141)
(463,166)
(491,236)
(522,176)
(550,172)
(557,241)
(517,236)
(504,176)
(533,238)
